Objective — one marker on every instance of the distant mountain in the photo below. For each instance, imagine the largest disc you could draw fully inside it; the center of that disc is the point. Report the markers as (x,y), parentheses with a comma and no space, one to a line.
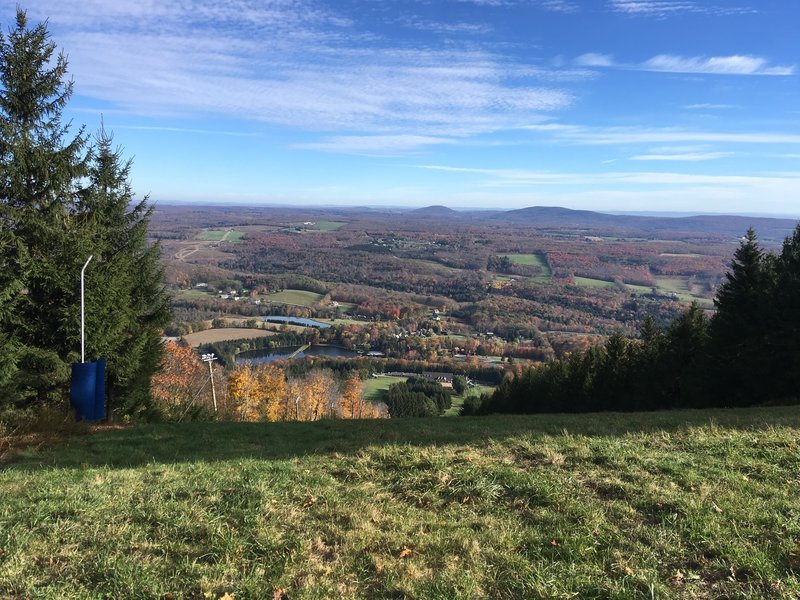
(729,225)
(434,212)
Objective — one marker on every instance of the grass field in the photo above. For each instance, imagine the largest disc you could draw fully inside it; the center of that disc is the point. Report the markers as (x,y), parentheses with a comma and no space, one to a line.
(218,235)
(534,260)
(594,283)
(690,504)
(374,387)
(296,297)
(329,225)
(224,334)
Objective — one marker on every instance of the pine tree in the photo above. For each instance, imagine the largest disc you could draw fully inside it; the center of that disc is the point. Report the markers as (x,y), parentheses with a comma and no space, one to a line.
(784,337)
(129,306)
(738,329)
(39,168)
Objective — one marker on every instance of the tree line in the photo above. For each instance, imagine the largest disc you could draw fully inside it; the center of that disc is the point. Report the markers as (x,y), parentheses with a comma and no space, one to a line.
(747,353)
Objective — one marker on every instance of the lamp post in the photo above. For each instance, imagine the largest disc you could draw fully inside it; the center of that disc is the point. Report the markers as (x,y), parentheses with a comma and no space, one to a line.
(210,358)
(83,270)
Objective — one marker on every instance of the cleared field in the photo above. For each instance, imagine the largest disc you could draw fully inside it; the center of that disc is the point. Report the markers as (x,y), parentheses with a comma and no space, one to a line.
(329,225)
(594,283)
(220,235)
(224,334)
(296,297)
(688,254)
(374,387)
(534,260)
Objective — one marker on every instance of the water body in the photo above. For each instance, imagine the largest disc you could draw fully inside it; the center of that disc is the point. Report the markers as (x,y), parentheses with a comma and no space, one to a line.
(298,321)
(267,355)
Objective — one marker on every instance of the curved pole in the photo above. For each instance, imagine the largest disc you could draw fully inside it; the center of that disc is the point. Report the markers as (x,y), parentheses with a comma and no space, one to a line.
(88,260)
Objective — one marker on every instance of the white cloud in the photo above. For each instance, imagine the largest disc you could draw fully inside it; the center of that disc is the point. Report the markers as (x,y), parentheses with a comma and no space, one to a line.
(375,144)
(667,8)
(716,65)
(685,156)
(631,135)
(446,28)
(291,63)
(594,59)
(709,106)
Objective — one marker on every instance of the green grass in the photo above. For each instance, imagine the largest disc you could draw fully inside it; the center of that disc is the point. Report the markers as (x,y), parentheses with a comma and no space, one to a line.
(296,297)
(690,504)
(535,260)
(329,225)
(458,400)
(594,283)
(374,387)
(216,235)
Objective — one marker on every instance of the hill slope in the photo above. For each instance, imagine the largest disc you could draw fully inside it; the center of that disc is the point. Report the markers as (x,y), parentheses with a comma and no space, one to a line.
(693,503)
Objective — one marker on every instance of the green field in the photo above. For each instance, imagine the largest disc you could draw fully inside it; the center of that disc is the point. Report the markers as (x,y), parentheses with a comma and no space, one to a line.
(690,504)
(217,235)
(374,387)
(534,260)
(594,283)
(329,225)
(296,297)
(458,400)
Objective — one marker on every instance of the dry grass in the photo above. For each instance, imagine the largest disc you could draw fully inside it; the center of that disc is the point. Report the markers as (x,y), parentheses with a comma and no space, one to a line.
(224,334)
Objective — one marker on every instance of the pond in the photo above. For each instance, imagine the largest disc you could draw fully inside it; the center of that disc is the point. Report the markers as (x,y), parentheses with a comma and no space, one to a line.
(267,355)
(297,321)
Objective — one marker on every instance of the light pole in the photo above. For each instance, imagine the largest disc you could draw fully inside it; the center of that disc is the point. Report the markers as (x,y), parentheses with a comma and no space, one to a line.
(210,358)
(83,270)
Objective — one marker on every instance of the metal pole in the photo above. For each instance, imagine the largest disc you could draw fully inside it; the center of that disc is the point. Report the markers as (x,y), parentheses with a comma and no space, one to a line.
(213,391)
(210,358)
(83,354)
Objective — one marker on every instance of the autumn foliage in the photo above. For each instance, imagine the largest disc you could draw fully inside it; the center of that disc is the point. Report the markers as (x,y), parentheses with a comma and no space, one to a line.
(254,392)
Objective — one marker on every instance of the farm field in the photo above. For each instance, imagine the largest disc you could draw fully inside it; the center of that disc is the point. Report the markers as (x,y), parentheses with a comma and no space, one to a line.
(295,297)
(681,504)
(220,235)
(327,226)
(534,260)
(594,283)
(224,334)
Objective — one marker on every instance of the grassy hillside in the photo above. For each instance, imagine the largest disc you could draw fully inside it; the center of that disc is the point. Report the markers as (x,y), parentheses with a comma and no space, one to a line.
(668,505)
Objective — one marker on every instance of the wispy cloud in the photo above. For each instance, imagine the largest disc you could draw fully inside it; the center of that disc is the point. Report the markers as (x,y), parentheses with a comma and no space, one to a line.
(631,135)
(709,106)
(668,8)
(595,59)
(710,65)
(683,156)
(715,65)
(293,63)
(446,27)
(381,145)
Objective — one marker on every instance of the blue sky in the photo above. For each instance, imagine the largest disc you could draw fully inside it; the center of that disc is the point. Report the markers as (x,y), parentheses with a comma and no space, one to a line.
(648,105)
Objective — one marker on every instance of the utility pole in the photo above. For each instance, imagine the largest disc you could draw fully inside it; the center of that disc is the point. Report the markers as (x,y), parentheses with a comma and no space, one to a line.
(83,270)
(210,358)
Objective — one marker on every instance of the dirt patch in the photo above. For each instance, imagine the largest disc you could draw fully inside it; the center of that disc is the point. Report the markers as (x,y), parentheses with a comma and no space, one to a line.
(224,334)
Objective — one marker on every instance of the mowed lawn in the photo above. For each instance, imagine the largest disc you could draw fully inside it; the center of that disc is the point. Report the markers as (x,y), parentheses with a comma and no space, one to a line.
(224,334)
(689,504)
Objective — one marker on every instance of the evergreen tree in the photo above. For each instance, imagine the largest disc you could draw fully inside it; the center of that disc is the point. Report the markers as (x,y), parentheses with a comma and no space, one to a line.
(744,315)
(128,304)
(784,337)
(39,170)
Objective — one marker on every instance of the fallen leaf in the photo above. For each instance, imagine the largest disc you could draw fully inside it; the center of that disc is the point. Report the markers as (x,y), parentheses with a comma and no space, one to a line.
(554,543)
(716,508)
(628,570)
(227,596)
(310,501)
(677,577)
(280,594)
(405,552)
(465,499)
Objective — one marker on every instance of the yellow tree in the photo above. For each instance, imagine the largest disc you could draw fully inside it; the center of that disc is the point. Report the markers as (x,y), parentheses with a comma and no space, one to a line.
(243,390)
(350,402)
(272,392)
(314,395)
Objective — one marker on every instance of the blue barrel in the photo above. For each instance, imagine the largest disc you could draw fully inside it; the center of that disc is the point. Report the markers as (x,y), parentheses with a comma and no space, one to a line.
(83,390)
(100,390)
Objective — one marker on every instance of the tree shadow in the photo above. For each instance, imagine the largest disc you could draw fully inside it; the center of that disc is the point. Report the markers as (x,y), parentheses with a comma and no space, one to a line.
(171,443)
